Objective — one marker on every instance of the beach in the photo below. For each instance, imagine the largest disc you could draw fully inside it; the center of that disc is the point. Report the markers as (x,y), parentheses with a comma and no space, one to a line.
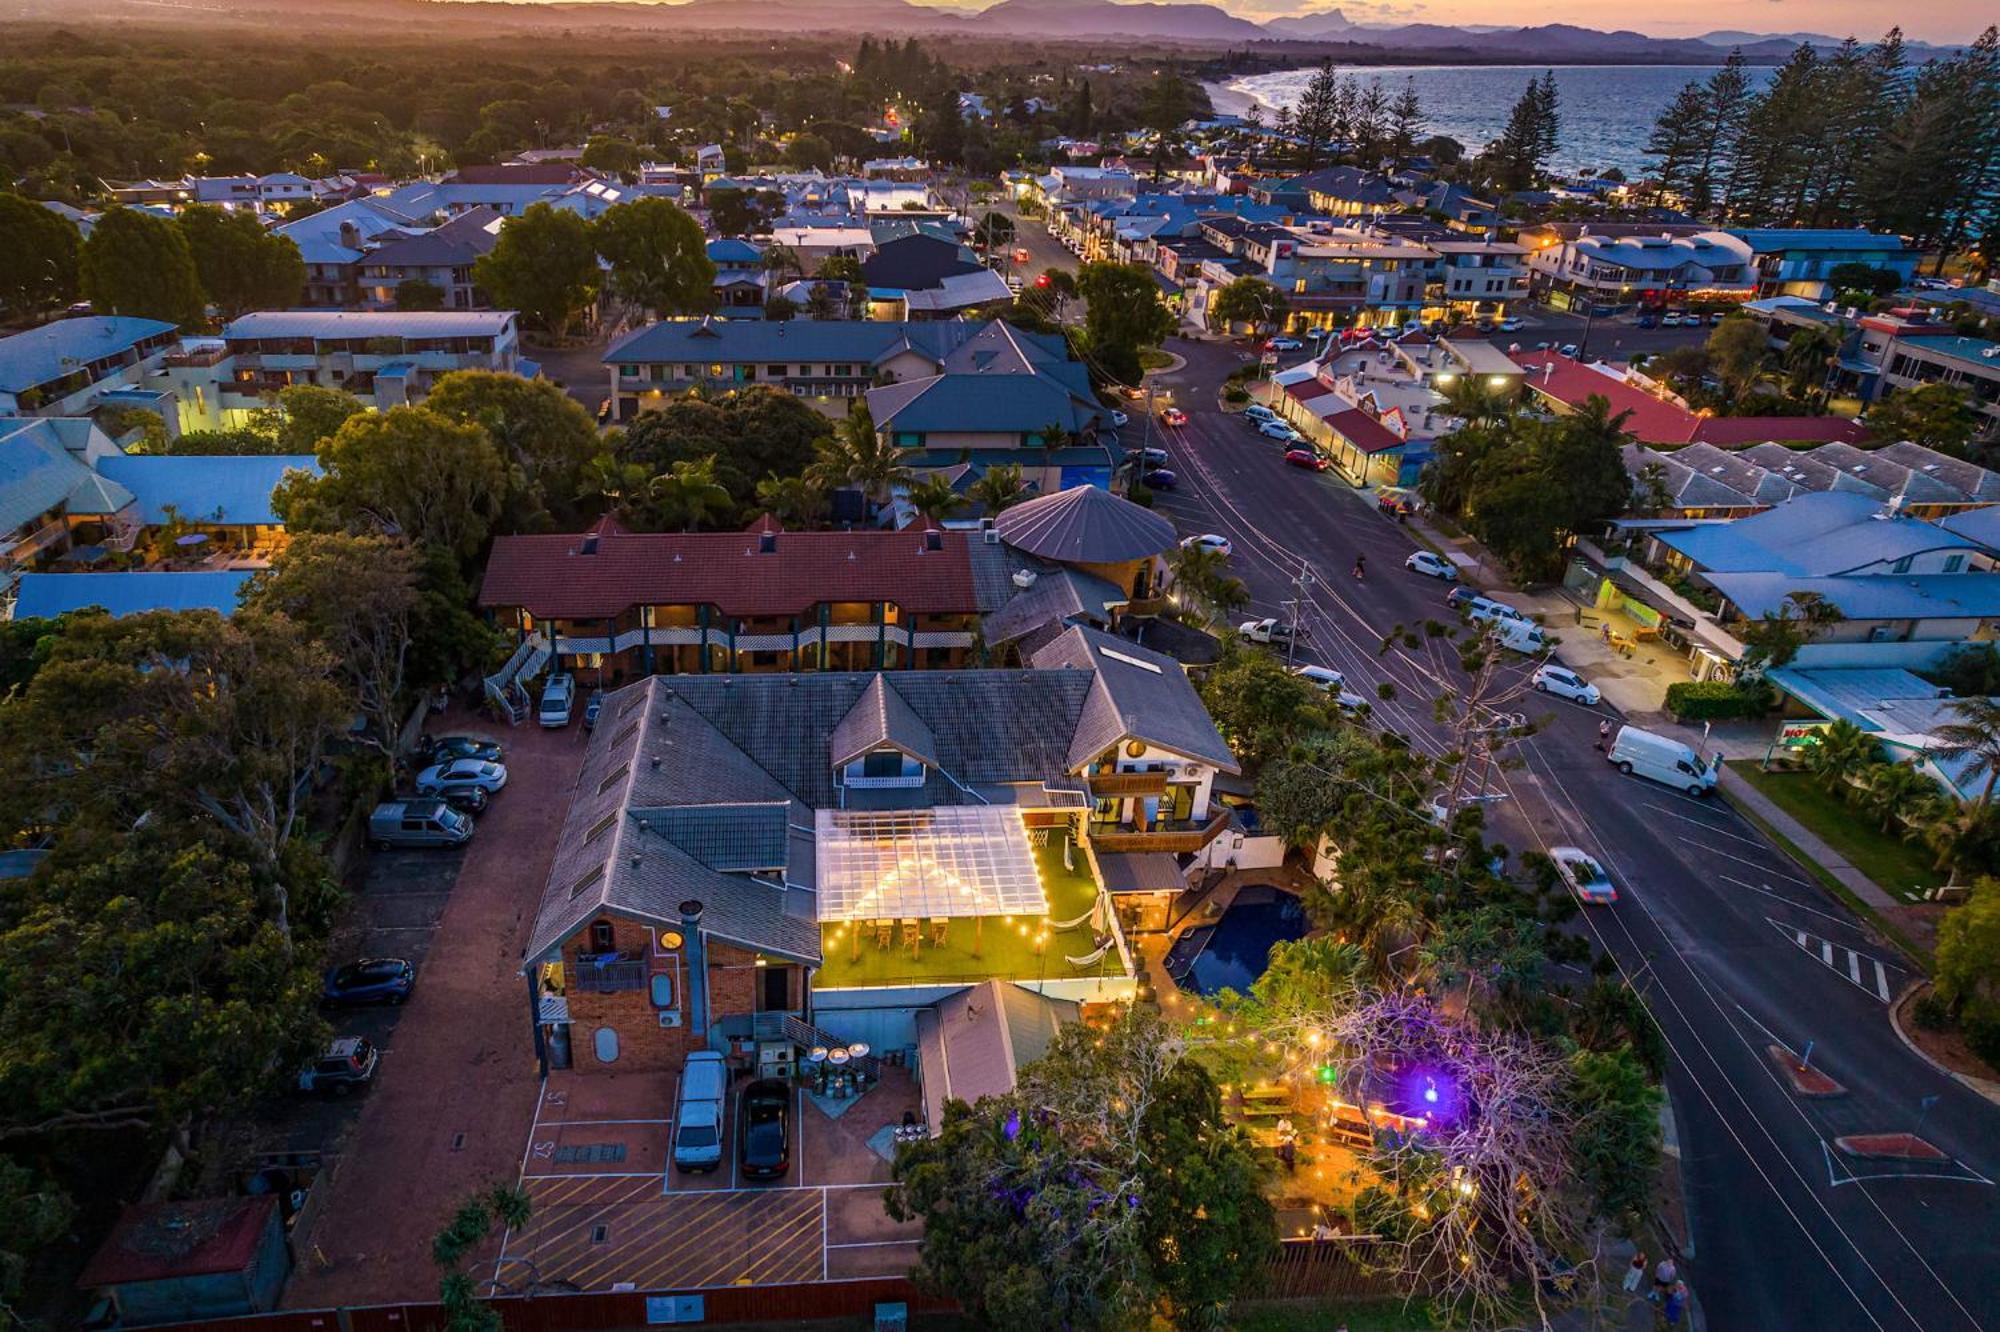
(1226,100)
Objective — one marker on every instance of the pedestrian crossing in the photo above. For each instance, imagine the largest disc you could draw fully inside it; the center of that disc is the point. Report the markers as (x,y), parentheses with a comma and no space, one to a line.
(1868,974)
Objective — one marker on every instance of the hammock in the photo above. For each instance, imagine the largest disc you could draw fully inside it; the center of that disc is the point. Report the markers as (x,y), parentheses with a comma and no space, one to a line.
(1089,914)
(1088,959)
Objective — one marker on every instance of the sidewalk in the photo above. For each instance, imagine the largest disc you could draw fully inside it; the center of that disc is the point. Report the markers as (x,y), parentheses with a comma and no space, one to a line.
(1745,796)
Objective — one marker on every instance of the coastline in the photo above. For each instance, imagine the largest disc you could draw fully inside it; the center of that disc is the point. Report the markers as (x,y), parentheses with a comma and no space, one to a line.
(1228,101)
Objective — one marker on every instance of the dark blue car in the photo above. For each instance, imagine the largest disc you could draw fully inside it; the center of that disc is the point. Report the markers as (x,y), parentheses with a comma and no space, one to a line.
(371,980)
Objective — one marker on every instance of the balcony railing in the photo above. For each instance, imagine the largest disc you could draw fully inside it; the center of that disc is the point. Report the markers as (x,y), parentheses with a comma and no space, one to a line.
(607,973)
(1178,836)
(1127,783)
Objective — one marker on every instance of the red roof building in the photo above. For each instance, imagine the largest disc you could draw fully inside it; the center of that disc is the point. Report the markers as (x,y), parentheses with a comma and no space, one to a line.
(1565,385)
(178,1261)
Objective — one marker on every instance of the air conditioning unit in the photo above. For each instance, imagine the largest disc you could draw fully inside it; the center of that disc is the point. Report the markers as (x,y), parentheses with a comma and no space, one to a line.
(670,1017)
(1191,771)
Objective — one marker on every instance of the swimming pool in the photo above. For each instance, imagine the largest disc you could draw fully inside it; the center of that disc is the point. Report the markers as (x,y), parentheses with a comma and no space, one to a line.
(1234,951)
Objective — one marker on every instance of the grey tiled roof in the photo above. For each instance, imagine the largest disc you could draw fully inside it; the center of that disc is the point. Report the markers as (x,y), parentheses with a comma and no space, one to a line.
(879,718)
(1135,692)
(730,838)
(1059,595)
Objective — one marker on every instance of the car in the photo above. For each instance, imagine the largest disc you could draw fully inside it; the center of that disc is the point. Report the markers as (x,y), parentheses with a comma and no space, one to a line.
(464,799)
(1284,344)
(1277,430)
(1258,413)
(1209,541)
(1511,325)
(1305,458)
(1481,609)
(1670,321)
(1271,630)
(1647,321)
(345,1064)
(591,708)
(1569,349)
(1151,457)
(1131,392)
(1542,346)
(1432,564)
(1118,418)
(764,1129)
(369,980)
(1566,683)
(1021,255)
(1715,317)
(459,774)
(1410,326)
(444,748)
(1162,479)
(558,699)
(1173,416)
(1584,875)
(1320,677)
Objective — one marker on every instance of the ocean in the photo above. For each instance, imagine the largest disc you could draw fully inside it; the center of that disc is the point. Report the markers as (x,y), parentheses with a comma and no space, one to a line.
(1607,110)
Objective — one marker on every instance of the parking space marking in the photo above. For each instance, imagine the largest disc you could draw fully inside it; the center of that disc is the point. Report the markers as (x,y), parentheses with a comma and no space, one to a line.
(1870,975)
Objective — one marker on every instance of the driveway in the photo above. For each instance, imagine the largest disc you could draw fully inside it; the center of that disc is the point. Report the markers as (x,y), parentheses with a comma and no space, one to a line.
(458,1074)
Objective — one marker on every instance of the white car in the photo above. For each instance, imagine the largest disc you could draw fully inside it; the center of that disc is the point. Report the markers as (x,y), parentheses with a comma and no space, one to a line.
(558,699)
(1283,344)
(462,775)
(1320,677)
(1510,325)
(1565,683)
(1259,413)
(1569,350)
(1583,874)
(1670,321)
(1118,418)
(1270,630)
(1433,564)
(1209,541)
(1278,430)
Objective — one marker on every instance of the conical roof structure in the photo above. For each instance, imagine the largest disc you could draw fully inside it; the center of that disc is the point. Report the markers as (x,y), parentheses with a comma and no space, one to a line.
(1085,525)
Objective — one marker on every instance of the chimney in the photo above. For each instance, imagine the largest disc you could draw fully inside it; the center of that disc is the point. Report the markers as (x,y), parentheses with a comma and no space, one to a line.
(350,236)
(697,963)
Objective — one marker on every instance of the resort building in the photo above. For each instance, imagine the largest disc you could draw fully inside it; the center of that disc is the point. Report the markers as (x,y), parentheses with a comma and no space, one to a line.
(71,366)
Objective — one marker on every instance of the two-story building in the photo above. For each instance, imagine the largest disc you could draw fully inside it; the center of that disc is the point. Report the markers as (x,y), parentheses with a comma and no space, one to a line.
(1799,261)
(71,366)
(1644,271)
(386,358)
(442,257)
(762,864)
(52,497)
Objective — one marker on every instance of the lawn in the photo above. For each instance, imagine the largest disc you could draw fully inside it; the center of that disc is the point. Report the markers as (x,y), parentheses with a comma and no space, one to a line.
(995,948)
(1901,868)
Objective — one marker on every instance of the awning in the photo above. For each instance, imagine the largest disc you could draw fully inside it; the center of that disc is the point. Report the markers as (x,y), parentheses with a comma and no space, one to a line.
(1141,872)
(952,860)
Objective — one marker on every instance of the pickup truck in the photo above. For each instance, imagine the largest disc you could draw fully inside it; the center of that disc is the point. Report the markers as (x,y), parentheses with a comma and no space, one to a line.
(1270,630)
(558,699)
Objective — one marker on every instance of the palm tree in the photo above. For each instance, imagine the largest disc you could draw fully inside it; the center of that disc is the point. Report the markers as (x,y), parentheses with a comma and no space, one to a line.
(934,497)
(1055,435)
(1201,573)
(858,456)
(792,500)
(1974,740)
(822,304)
(1469,399)
(1843,749)
(608,478)
(998,489)
(1807,354)
(782,259)
(687,495)
(1892,790)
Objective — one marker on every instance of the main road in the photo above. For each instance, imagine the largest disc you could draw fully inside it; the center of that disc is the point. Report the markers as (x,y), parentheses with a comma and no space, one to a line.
(1734,947)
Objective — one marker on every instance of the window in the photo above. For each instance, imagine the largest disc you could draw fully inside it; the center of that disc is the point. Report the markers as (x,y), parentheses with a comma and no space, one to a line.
(882,763)
(1901,566)
(601,827)
(1954,563)
(602,936)
(628,372)
(1135,748)
(624,769)
(660,987)
(576,889)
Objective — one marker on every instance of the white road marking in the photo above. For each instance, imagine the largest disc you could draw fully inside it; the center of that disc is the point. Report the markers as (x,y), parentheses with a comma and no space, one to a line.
(1882,982)
(1842,961)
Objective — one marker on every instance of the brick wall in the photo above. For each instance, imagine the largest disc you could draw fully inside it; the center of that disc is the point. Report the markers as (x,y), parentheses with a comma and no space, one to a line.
(643,1044)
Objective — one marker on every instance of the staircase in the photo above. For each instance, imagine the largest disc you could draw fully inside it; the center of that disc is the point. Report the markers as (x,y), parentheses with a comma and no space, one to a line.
(504,688)
(783,1026)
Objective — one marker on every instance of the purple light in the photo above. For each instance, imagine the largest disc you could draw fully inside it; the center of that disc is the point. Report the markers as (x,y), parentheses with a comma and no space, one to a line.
(1013,1125)
(1431,1090)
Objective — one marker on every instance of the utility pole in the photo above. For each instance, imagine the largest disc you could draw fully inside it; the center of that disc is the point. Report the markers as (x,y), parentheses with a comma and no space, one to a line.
(1302,586)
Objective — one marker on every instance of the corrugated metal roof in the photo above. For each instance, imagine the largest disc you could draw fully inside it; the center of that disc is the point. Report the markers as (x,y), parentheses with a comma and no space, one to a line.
(1812,535)
(1086,525)
(52,351)
(225,489)
(129,593)
(351,324)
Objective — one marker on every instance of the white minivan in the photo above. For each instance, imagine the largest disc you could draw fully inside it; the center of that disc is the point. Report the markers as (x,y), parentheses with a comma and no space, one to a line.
(1665,760)
(698,1114)
(1521,635)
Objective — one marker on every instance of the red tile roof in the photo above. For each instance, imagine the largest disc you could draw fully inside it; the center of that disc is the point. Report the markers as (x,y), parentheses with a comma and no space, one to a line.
(548,574)
(163,1241)
(1307,389)
(1658,421)
(1363,431)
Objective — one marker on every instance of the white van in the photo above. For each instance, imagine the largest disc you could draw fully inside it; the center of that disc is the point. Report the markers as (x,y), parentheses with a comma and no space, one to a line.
(698,1116)
(1521,635)
(1667,761)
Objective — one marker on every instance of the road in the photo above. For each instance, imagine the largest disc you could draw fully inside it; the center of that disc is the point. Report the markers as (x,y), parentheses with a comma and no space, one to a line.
(1733,945)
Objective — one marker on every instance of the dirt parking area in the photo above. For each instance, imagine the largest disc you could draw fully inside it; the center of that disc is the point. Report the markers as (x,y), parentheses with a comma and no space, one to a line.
(458,1073)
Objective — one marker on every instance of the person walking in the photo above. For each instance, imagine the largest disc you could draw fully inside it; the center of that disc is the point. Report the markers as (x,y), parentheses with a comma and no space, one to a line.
(1664,1277)
(1604,735)
(1676,1303)
(1635,1275)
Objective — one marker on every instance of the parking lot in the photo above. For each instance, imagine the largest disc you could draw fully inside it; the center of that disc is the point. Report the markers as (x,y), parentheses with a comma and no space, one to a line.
(457,1075)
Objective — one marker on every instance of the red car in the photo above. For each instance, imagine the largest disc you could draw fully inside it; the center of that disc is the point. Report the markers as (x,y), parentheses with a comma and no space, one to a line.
(1305,458)
(1173,416)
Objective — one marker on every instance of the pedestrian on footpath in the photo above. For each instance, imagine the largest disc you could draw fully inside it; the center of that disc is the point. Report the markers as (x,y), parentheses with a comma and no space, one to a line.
(1635,1275)
(1677,1299)
(1603,733)
(1664,1277)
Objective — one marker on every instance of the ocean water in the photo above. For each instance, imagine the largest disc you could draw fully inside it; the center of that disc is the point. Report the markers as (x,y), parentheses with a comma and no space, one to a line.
(1607,110)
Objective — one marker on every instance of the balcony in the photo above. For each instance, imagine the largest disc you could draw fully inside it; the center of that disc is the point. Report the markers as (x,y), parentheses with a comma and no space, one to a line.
(1127,783)
(197,358)
(607,973)
(1176,836)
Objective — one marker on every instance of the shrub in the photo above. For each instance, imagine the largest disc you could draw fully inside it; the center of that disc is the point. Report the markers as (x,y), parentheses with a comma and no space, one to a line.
(1930,1013)
(1982,1036)
(1236,395)
(1713,700)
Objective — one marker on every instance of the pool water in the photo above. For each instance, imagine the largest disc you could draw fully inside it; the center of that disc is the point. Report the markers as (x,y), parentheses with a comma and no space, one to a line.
(1233,952)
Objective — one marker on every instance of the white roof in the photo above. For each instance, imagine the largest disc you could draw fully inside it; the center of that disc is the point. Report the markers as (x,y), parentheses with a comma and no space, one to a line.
(952,860)
(369,324)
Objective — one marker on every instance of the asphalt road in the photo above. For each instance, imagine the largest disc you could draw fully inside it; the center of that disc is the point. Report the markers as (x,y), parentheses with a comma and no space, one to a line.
(1787,1233)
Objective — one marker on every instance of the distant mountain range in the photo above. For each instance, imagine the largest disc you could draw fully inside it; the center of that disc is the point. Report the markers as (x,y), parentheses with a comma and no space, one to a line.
(1190,23)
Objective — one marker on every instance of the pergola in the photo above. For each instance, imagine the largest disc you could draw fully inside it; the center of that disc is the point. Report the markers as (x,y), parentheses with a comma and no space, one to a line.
(926,864)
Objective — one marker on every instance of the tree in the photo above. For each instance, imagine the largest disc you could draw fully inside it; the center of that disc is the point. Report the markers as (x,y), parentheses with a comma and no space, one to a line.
(1808,356)
(38,258)
(1895,793)
(792,500)
(617,157)
(469,1228)
(1204,584)
(752,433)
(241,265)
(1249,300)
(1125,316)
(1771,641)
(1867,279)
(1530,136)
(859,456)
(1256,703)
(415,294)
(1169,102)
(544,435)
(994,229)
(406,472)
(687,496)
(1405,124)
(809,152)
(737,212)
(1842,750)
(1108,1184)
(1938,416)
(935,497)
(34,1212)
(998,489)
(1968,952)
(544,265)
(839,268)
(1736,349)
(1314,115)
(658,256)
(358,596)
(780,309)
(305,416)
(1618,1144)
(1973,740)
(140,265)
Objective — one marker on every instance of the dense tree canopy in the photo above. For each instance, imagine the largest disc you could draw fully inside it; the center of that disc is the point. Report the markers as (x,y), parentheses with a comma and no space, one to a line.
(545,266)
(141,265)
(658,256)
(753,434)
(38,258)
(241,265)
(1126,316)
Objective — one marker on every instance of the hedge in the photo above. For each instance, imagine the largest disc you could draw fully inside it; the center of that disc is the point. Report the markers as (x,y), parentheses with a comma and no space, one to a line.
(1713,700)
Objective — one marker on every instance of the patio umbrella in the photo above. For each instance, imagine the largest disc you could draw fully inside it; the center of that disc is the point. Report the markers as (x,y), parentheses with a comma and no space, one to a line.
(191,539)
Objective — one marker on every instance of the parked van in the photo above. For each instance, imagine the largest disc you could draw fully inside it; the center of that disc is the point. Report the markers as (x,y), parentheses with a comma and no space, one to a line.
(698,1115)
(1665,760)
(417,822)
(1481,609)
(1521,635)
(558,697)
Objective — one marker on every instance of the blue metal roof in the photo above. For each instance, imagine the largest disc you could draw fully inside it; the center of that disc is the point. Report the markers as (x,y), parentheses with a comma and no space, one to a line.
(222,488)
(1976,353)
(55,350)
(734,341)
(129,593)
(1811,536)
(1776,240)
(1959,596)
